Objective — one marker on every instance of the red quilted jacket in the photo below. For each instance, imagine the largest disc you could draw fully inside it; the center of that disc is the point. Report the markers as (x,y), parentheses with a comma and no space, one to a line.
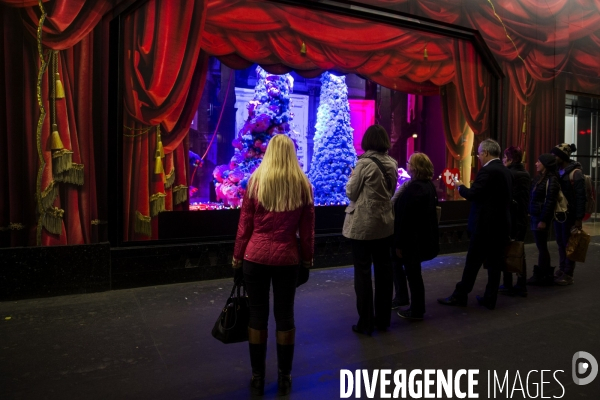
(268,237)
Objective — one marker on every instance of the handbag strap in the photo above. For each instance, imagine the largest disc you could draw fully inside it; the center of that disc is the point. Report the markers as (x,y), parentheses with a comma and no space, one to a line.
(388,183)
(236,286)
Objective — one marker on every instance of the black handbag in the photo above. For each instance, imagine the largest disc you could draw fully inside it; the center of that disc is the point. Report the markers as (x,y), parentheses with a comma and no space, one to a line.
(232,324)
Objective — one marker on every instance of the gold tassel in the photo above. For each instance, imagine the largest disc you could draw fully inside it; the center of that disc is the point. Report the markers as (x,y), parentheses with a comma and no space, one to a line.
(170,179)
(158,165)
(143,224)
(73,175)
(160,153)
(55,142)
(60,91)
(180,194)
(425,55)
(157,204)
(49,195)
(303,48)
(52,220)
(12,226)
(62,160)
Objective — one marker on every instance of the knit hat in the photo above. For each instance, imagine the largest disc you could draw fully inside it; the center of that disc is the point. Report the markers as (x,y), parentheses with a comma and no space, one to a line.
(548,161)
(563,151)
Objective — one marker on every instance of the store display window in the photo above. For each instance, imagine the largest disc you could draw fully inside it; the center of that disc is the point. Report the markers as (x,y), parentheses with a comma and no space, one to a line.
(320,78)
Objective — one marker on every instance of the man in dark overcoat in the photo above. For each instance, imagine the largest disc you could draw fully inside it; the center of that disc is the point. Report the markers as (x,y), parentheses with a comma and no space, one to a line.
(489,226)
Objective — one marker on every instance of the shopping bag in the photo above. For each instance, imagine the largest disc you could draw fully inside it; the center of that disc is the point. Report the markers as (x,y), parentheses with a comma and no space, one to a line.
(513,256)
(232,324)
(578,244)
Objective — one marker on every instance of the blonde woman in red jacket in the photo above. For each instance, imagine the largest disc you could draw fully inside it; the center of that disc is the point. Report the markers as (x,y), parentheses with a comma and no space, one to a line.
(278,204)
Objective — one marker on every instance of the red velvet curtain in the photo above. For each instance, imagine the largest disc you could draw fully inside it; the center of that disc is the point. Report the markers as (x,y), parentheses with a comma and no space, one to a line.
(272,35)
(465,103)
(164,74)
(455,126)
(52,194)
(546,46)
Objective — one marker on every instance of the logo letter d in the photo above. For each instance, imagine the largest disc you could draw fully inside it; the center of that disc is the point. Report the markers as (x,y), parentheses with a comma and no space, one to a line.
(590,363)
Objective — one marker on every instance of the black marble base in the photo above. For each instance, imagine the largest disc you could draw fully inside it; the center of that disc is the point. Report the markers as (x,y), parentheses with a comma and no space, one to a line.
(27,272)
(155,265)
(51,271)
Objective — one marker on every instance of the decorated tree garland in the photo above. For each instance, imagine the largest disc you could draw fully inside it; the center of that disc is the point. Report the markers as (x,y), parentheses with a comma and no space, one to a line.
(268,114)
(333,151)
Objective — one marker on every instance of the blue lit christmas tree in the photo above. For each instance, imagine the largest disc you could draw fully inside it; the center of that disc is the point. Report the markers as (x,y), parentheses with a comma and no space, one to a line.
(268,114)
(333,151)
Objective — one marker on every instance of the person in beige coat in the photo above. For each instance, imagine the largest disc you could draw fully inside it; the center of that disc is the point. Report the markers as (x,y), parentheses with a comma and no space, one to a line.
(369,224)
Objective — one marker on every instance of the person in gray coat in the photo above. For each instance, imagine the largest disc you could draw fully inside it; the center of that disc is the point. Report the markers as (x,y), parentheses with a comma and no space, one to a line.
(369,223)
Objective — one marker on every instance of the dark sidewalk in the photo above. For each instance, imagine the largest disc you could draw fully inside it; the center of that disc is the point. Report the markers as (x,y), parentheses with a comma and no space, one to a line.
(155,342)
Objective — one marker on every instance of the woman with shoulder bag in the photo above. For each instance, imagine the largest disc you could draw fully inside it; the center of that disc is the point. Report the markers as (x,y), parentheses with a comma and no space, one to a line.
(369,223)
(277,204)
(544,195)
(416,236)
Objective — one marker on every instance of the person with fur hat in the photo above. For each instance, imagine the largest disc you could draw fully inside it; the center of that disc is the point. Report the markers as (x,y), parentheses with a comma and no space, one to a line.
(544,195)
(572,184)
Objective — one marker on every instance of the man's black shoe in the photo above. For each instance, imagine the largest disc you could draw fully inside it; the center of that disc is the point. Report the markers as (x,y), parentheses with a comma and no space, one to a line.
(399,303)
(356,329)
(452,301)
(408,314)
(481,301)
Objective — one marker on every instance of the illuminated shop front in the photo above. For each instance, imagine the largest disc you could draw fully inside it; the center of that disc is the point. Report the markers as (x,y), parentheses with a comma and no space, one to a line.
(121,119)
(319,77)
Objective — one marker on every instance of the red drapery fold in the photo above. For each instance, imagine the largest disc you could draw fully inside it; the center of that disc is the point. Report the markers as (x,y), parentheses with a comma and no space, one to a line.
(57,200)
(164,74)
(475,82)
(455,126)
(21,3)
(548,132)
(519,98)
(272,36)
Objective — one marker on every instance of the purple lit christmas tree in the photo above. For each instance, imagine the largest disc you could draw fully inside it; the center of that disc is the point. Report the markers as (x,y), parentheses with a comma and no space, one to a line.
(333,151)
(268,114)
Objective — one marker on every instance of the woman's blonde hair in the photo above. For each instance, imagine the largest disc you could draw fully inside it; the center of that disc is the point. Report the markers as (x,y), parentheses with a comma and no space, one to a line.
(421,165)
(279,183)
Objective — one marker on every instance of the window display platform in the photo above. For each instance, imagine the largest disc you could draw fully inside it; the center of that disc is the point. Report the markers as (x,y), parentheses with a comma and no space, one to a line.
(222,224)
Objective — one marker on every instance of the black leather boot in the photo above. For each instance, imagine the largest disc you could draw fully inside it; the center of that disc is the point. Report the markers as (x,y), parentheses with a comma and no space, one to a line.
(538,276)
(285,355)
(257,342)
(548,279)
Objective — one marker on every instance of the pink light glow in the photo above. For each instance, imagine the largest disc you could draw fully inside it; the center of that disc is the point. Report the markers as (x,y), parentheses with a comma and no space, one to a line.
(410,146)
(410,108)
(362,115)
